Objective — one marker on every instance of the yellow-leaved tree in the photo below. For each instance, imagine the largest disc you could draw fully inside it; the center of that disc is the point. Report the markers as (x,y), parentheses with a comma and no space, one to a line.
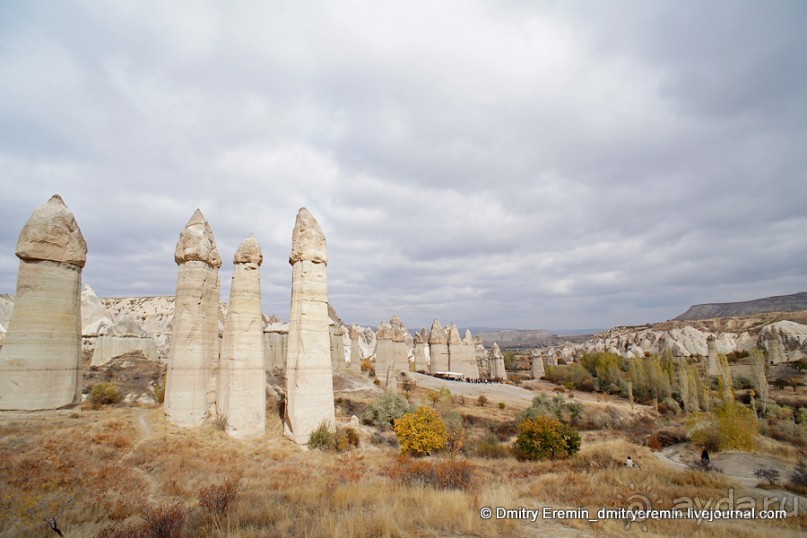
(422,432)
(730,426)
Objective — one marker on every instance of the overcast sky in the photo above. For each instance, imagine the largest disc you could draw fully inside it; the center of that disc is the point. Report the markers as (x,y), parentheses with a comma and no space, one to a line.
(505,164)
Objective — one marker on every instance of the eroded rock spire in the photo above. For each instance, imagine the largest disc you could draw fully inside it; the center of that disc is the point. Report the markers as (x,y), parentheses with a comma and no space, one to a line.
(309,382)
(40,356)
(190,389)
(438,348)
(241,386)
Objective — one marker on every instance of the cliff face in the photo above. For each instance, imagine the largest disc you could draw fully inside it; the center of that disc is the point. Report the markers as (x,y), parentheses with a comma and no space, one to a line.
(690,338)
(509,338)
(781,303)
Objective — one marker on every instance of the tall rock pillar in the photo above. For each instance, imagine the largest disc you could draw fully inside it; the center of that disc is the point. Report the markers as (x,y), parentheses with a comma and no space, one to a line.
(468,364)
(400,345)
(276,345)
(712,360)
(462,353)
(496,361)
(776,350)
(337,334)
(39,361)
(538,369)
(193,355)
(438,348)
(241,387)
(355,350)
(421,351)
(309,385)
(384,349)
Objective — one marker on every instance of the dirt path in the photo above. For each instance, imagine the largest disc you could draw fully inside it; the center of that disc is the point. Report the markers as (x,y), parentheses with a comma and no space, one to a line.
(740,467)
(146,433)
(145,429)
(522,397)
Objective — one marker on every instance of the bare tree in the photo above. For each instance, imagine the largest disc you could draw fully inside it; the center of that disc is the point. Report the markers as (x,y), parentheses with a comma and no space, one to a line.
(53,521)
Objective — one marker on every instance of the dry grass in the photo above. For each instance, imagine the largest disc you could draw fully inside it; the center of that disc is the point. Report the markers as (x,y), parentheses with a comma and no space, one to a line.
(114,462)
(772,447)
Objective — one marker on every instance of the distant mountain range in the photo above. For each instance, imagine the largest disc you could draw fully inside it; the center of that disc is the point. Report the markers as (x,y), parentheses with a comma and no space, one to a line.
(515,337)
(780,303)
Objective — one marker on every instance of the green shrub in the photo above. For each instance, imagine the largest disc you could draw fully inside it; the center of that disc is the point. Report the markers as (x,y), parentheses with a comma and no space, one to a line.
(382,412)
(510,364)
(341,439)
(104,393)
(345,439)
(571,375)
(444,395)
(220,421)
(779,412)
(557,407)
(669,407)
(456,432)
(490,447)
(422,432)
(408,385)
(323,437)
(516,379)
(352,437)
(799,474)
(505,430)
(742,383)
(736,355)
(545,437)
(606,367)
(670,437)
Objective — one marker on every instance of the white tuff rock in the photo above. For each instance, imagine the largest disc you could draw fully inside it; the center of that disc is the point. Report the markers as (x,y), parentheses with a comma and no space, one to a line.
(438,348)
(538,367)
(193,355)
(421,350)
(392,348)
(462,353)
(309,382)
(241,386)
(496,363)
(40,357)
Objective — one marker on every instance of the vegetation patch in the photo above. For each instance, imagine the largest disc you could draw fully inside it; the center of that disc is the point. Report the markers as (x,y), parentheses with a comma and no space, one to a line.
(451,473)
(422,432)
(545,437)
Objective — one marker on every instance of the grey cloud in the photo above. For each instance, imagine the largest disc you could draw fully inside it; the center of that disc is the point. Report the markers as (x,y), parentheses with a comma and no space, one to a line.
(502,164)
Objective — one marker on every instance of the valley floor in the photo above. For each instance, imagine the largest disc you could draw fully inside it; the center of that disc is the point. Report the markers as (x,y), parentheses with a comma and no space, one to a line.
(96,472)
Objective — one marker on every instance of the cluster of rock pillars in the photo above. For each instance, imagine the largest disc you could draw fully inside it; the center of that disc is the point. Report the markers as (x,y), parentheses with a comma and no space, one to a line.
(41,354)
(207,378)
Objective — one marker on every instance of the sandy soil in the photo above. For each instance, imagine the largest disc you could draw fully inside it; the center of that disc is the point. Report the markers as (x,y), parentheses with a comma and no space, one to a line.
(522,397)
(739,466)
